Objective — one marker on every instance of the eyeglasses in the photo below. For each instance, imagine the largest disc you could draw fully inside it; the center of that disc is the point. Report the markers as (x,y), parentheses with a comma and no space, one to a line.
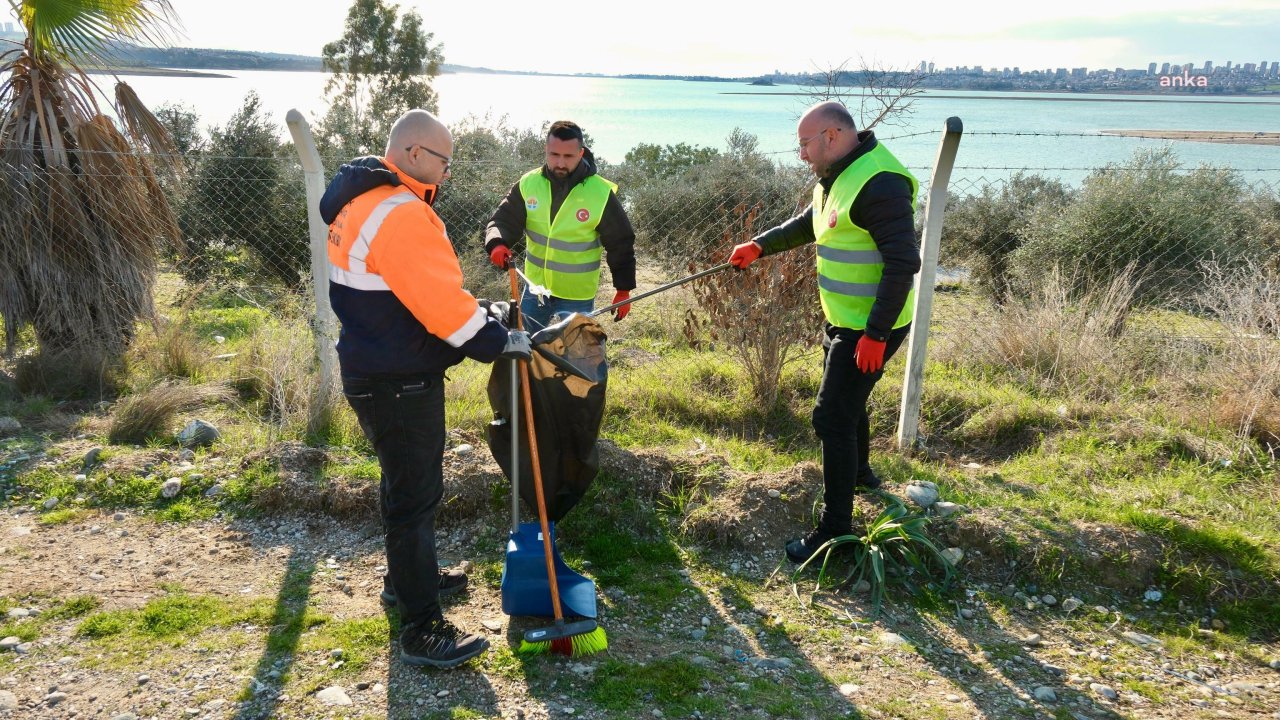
(447,160)
(806,141)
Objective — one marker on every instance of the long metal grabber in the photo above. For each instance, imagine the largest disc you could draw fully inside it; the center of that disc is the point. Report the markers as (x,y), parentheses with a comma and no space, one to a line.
(662,288)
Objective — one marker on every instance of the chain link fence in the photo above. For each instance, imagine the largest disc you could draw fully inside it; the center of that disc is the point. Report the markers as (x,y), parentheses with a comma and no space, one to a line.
(1070,294)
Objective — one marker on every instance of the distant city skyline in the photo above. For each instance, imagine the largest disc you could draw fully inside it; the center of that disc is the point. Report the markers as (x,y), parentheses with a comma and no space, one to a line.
(746,39)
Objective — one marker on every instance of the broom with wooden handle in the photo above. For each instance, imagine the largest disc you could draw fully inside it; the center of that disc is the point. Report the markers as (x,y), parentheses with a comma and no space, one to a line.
(580,637)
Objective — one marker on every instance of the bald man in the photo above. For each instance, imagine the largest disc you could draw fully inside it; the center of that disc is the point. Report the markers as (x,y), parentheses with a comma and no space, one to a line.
(863,219)
(396,287)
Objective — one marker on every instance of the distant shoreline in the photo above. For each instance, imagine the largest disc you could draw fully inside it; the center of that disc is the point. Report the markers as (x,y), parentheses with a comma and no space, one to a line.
(156,72)
(1067,97)
(1232,137)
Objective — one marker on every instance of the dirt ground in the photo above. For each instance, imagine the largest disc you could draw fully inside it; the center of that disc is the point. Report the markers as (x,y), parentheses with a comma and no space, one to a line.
(996,650)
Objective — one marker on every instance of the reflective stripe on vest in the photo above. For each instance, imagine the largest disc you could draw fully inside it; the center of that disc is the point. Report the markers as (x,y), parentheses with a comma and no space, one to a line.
(356,275)
(849,263)
(563,253)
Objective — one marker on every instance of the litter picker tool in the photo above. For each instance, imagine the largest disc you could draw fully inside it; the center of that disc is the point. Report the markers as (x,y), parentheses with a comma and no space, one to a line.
(661,288)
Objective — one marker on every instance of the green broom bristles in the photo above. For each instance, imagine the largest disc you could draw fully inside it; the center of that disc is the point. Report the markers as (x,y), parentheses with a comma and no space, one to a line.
(576,646)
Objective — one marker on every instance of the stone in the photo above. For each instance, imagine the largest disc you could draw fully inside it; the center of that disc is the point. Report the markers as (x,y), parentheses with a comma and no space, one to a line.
(187,455)
(775,494)
(1141,639)
(848,689)
(118,517)
(1104,691)
(463,450)
(1049,600)
(922,494)
(333,696)
(1275,664)
(953,555)
(492,624)
(23,648)
(171,487)
(54,698)
(1045,693)
(1152,595)
(699,634)
(952,698)
(336,653)
(1071,604)
(862,587)
(1032,640)
(198,433)
(51,503)
(9,426)
(18,613)
(890,638)
(144,679)
(967,613)
(10,642)
(1218,624)
(214,490)
(947,509)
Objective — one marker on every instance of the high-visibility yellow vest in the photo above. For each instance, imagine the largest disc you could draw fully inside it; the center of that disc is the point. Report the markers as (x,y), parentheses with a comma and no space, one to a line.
(563,253)
(849,264)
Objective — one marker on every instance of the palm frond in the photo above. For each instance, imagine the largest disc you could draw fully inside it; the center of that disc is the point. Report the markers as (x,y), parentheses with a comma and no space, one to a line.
(91,30)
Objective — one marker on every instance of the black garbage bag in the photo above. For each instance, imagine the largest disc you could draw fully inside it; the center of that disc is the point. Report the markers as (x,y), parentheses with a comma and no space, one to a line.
(567,380)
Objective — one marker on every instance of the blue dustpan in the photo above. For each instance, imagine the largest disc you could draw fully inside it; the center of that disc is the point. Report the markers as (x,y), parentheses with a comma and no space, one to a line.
(525,590)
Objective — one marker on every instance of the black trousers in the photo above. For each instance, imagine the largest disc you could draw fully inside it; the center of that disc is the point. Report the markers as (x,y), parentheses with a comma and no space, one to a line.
(841,423)
(403,419)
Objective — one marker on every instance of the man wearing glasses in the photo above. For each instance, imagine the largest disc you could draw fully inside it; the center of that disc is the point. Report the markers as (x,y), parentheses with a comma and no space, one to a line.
(566,215)
(862,218)
(396,287)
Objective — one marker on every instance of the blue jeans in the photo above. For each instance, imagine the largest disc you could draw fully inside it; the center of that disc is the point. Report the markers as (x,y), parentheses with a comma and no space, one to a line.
(538,316)
(404,421)
(841,423)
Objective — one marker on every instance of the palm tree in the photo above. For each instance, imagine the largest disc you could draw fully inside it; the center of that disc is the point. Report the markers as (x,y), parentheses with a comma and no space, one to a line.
(82,212)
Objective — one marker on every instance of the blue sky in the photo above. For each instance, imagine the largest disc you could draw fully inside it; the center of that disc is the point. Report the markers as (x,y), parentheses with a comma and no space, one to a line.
(751,38)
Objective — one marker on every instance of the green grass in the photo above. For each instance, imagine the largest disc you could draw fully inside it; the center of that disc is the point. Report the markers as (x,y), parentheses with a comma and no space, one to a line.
(669,684)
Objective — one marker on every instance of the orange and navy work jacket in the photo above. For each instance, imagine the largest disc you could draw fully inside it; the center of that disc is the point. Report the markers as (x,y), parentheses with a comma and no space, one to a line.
(394,279)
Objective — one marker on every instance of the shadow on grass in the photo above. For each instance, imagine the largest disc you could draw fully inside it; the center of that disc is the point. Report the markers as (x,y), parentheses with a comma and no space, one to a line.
(651,611)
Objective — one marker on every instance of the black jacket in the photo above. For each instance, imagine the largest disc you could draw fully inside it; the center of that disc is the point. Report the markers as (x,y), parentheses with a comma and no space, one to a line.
(883,209)
(618,238)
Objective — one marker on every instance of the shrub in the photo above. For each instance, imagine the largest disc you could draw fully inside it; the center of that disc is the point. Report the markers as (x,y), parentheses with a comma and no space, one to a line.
(764,315)
(981,231)
(1148,215)
(245,208)
(707,196)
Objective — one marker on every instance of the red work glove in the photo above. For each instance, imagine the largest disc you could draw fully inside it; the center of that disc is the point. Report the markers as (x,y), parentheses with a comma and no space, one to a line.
(745,254)
(500,256)
(622,311)
(869,354)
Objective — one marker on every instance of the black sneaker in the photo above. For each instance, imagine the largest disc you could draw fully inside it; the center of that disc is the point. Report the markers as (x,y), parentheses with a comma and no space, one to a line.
(440,644)
(452,582)
(801,549)
(866,480)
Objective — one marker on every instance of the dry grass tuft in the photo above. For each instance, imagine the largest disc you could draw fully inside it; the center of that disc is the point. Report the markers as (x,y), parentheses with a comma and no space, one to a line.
(279,367)
(72,374)
(1058,338)
(140,417)
(1244,381)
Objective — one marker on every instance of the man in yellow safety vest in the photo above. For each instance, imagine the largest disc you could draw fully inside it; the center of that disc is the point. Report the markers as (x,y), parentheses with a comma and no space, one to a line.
(862,218)
(568,218)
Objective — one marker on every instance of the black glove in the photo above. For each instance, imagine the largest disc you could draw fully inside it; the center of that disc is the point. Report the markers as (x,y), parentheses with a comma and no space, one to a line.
(518,346)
